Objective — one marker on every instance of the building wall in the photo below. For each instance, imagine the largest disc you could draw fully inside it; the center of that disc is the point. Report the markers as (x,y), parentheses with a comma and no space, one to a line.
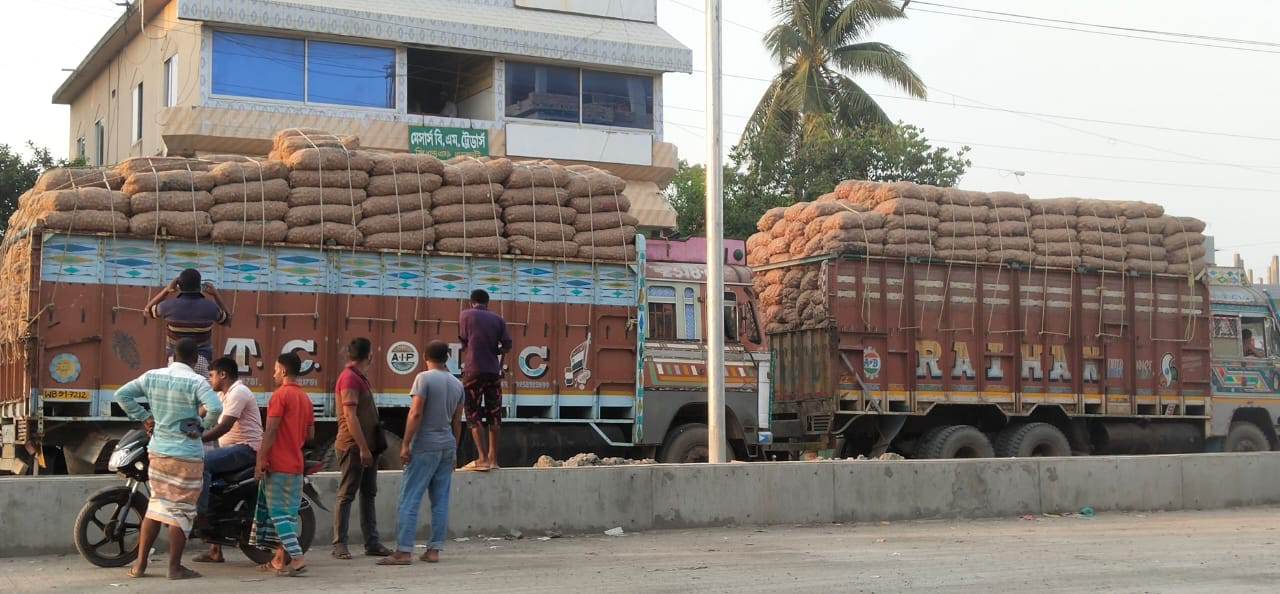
(142,60)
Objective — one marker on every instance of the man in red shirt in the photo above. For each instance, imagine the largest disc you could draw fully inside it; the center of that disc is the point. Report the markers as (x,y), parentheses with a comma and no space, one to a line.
(290,424)
(357,449)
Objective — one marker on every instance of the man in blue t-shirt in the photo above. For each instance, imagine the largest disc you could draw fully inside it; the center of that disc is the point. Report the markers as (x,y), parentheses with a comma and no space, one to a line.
(193,313)
(429,452)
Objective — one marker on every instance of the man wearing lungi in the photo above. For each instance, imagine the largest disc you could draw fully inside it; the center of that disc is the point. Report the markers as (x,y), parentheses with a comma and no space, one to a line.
(175,394)
(290,424)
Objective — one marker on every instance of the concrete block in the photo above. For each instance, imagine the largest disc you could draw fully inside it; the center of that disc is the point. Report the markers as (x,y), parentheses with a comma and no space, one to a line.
(688,495)
(38,514)
(1149,483)
(1068,484)
(875,491)
(1215,481)
(977,488)
(569,500)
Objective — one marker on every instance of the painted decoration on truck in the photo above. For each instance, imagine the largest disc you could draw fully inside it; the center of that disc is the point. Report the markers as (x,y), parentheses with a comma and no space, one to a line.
(1241,378)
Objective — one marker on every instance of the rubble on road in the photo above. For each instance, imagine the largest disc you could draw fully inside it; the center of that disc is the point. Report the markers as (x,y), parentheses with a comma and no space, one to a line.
(584,460)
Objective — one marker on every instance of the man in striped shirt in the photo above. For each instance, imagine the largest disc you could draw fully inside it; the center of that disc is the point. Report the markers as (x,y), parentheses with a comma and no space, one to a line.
(193,313)
(175,394)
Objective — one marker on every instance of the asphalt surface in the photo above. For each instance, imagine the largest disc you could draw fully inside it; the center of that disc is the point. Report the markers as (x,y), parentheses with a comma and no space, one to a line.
(1212,551)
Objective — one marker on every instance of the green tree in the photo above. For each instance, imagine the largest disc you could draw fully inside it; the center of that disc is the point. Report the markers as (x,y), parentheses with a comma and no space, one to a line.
(17,175)
(687,194)
(819,47)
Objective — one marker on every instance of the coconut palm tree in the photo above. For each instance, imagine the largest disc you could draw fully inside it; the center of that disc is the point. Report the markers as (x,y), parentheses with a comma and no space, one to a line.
(819,46)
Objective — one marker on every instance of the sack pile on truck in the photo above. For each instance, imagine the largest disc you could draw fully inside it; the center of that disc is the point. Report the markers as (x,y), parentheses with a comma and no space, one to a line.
(467,209)
(251,200)
(902,219)
(15,294)
(168,197)
(327,181)
(397,212)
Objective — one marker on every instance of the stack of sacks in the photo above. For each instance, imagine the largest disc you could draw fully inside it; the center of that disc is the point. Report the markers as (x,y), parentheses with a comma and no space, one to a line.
(1008,228)
(73,210)
(1053,231)
(397,212)
(465,209)
(291,140)
(1144,244)
(833,226)
(1100,232)
(173,202)
(1184,242)
(65,178)
(779,292)
(602,226)
(327,188)
(250,201)
(759,245)
(910,219)
(811,306)
(962,226)
(536,221)
(15,288)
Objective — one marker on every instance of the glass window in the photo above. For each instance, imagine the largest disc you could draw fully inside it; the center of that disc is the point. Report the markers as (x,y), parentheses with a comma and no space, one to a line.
(730,317)
(541,92)
(171,81)
(99,143)
(137,113)
(346,74)
(257,66)
(690,315)
(612,99)
(662,321)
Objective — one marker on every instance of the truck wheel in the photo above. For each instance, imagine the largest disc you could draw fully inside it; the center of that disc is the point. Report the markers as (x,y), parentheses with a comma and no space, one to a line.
(1033,440)
(687,444)
(1245,437)
(955,441)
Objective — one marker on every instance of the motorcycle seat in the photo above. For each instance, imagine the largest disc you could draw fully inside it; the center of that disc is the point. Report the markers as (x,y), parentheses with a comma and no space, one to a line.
(235,476)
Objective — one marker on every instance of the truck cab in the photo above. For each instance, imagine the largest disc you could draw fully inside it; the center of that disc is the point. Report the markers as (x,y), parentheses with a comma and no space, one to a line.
(1245,364)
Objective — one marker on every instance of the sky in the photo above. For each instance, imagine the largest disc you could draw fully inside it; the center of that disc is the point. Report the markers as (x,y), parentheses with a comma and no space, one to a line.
(1222,164)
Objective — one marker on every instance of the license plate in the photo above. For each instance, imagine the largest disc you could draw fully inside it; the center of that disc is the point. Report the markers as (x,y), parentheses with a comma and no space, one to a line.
(68,395)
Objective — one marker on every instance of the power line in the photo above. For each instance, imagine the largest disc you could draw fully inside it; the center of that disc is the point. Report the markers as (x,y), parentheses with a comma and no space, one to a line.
(1127,181)
(1095,155)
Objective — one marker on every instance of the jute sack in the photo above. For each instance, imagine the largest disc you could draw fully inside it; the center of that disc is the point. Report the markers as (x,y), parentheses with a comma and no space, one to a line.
(292,140)
(909,250)
(907,206)
(184,225)
(1195,268)
(527,246)
(1008,199)
(542,231)
(1183,255)
(1008,229)
(325,234)
(976,255)
(958,213)
(534,196)
(418,241)
(891,191)
(472,245)
(1135,209)
(1055,206)
(381,205)
(601,221)
(856,235)
(469,172)
(331,178)
(458,213)
(961,228)
(853,220)
(1041,222)
(1184,225)
(1147,266)
(1096,238)
(273,190)
(403,183)
(1097,263)
(821,245)
(910,222)
(1004,256)
(252,231)
(967,243)
(1057,261)
(607,238)
(470,229)
(770,218)
(130,166)
(409,221)
(778,245)
(553,214)
(328,159)
(1104,252)
(1144,239)
(811,281)
(1103,224)
(471,194)
(180,201)
(910,236)
(1154,226)
(1141,251)
(61,178)
(317,196)
(1057,249)
(1010,242)
(78,199)
(620,203)
(1053,235)
(538,175)
(625,253)
(817,210)
(85,221)
(168,180)
(1006,214)
(239,173)
(249,211)
(303,216)
(958,197)
(595,183)
(392,163)
(1178,241)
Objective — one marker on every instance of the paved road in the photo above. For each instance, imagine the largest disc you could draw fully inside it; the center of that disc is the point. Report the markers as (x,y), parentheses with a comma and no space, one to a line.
(1217,551)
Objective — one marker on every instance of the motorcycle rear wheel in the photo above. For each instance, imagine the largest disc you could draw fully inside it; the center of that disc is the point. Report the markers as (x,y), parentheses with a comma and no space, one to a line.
(97,536)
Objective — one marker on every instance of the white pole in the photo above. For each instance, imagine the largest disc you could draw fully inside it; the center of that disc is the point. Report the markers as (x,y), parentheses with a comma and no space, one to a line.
(716,450)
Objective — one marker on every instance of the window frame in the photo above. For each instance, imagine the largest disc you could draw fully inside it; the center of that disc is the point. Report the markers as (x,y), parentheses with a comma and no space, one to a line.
(732,314)
(136,131)
(99,143)
(653,108)
(171,81)
(82,149)
(673,301)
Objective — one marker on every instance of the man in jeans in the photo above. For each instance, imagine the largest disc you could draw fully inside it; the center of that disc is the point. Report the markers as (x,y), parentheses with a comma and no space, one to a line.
(238,433)
(484,339)
(429,453)
(358,432)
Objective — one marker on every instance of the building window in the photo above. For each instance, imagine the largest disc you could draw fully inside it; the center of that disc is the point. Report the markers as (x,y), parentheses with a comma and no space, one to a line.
(730,316)
(99,143)
(541,92)
(347,74)
(171,81)
(80,150)
(137,113)
(612,99)
(257,66)
(662,313)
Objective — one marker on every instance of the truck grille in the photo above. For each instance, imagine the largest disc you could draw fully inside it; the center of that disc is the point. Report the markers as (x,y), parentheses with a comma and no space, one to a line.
(820,423)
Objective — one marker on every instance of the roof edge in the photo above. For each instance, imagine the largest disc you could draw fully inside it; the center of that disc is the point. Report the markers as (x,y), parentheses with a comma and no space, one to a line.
(112,41)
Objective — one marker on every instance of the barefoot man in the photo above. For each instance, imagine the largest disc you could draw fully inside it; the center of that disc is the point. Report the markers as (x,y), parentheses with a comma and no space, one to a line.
(484,341)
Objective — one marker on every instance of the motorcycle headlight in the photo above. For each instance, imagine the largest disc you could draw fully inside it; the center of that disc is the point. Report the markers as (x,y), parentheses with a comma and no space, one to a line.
(119,458)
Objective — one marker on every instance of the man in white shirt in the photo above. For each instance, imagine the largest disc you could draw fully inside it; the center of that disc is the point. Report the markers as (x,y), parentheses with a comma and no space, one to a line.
(238,433)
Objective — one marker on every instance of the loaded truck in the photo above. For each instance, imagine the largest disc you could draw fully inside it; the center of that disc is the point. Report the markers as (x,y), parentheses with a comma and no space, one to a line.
(608,357)
(933,359)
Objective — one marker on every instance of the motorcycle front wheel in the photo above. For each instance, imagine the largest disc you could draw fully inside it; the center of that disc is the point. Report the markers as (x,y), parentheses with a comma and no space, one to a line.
(107,535)
(306,533)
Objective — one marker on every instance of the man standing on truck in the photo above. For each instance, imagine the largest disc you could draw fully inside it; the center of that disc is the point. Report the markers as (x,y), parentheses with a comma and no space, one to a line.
(193,313)
(358,444)
(238,433)
(290,424)
(175,394)
(485,340)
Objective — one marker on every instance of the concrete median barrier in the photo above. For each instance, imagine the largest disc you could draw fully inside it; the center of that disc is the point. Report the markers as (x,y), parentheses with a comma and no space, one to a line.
(37,513)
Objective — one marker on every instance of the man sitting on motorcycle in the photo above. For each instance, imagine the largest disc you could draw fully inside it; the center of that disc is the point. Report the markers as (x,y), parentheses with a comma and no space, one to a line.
(238,433)
(175,394)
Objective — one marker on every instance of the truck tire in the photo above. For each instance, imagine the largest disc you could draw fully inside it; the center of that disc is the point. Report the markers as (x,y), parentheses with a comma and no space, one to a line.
(687,444)
(955,441)
(1245,437)
(1032,440)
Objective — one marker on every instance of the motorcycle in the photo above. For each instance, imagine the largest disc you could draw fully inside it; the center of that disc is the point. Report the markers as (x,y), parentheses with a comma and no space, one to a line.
(109,523)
